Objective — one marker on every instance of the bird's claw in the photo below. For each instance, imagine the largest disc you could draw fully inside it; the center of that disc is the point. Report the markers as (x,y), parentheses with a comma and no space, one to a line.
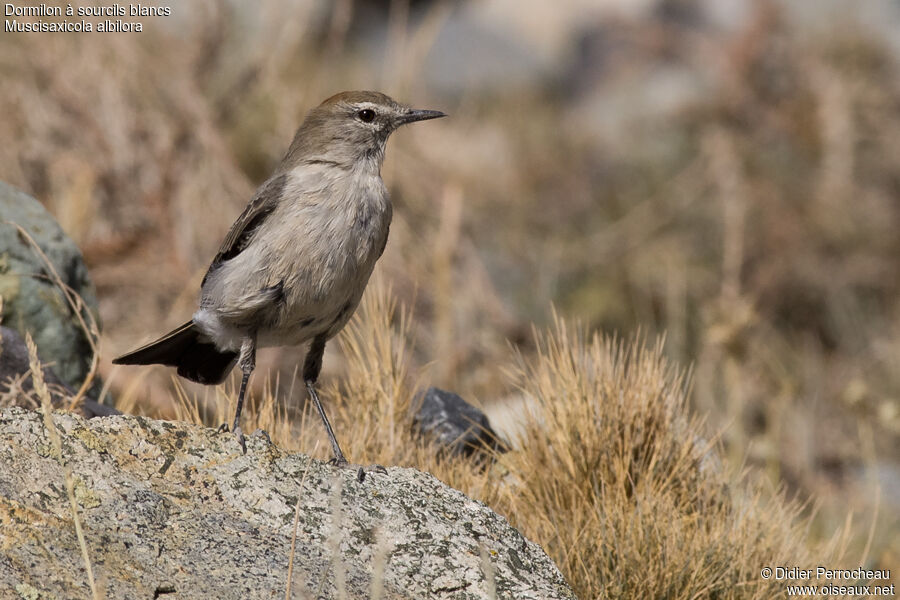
(263,434)
(339,462)
(237,434)
(361,471)
(240,438)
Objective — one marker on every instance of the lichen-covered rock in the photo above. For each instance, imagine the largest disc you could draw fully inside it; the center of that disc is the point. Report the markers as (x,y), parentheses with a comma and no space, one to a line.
(172,508)
(31,300)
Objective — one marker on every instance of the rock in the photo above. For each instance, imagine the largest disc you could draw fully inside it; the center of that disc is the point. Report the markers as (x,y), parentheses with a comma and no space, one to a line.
(174,508)
(453,423)
(17,387)
(31,301)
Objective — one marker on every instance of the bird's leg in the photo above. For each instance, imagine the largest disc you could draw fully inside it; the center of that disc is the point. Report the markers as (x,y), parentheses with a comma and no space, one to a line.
(247,362)
(311,368)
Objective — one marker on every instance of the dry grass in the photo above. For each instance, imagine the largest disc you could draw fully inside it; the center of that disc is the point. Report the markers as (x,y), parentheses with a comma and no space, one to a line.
(631,498)
(47,409)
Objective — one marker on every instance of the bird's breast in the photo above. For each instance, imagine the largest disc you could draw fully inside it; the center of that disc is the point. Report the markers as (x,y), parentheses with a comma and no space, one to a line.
(329,245)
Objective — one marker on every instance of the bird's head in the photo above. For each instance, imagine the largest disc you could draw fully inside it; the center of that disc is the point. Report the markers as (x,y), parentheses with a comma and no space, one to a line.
(351,127)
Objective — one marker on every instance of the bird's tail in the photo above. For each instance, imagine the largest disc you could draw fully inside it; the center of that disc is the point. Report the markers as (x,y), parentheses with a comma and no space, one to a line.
(183,348)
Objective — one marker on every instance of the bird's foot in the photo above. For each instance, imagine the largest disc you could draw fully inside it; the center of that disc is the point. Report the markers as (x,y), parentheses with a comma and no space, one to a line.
(263,434)
(340,462)
(237,434)
(240,438)
(361,471)
(373,468)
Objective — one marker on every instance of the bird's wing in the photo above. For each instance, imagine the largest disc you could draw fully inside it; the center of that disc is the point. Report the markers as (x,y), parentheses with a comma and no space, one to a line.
(263,203)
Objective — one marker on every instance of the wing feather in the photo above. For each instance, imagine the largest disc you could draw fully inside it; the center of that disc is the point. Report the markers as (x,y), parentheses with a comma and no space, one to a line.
(261,206)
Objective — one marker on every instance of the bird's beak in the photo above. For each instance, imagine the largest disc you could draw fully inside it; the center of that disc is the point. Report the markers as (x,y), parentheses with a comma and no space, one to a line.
(413,115)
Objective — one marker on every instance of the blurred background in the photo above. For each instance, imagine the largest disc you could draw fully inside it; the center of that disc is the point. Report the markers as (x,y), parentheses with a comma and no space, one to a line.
(724,173)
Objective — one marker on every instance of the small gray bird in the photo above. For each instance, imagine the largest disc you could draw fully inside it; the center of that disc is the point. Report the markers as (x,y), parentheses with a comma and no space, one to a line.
(294,265)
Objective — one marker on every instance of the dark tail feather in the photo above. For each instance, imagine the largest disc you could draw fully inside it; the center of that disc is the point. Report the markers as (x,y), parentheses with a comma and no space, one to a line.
(182,348)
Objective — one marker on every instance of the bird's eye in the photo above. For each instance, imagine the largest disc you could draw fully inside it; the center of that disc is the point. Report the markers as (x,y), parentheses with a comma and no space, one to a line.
(366,115)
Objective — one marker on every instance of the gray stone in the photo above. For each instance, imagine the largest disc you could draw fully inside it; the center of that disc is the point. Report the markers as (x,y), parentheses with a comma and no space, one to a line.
(452,423)
(174,508)
(31,300)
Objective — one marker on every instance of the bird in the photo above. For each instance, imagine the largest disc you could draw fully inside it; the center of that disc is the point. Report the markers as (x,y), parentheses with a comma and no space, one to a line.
(293,266)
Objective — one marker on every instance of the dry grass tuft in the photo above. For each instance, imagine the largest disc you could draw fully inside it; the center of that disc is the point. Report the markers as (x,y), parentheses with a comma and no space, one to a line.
(614,477)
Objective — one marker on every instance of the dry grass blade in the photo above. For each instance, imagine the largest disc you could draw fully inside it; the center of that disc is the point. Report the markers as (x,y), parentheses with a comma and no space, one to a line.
(487,568)
(337,520)
(380,563)
(89,327)
(290,573)
(47,409)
